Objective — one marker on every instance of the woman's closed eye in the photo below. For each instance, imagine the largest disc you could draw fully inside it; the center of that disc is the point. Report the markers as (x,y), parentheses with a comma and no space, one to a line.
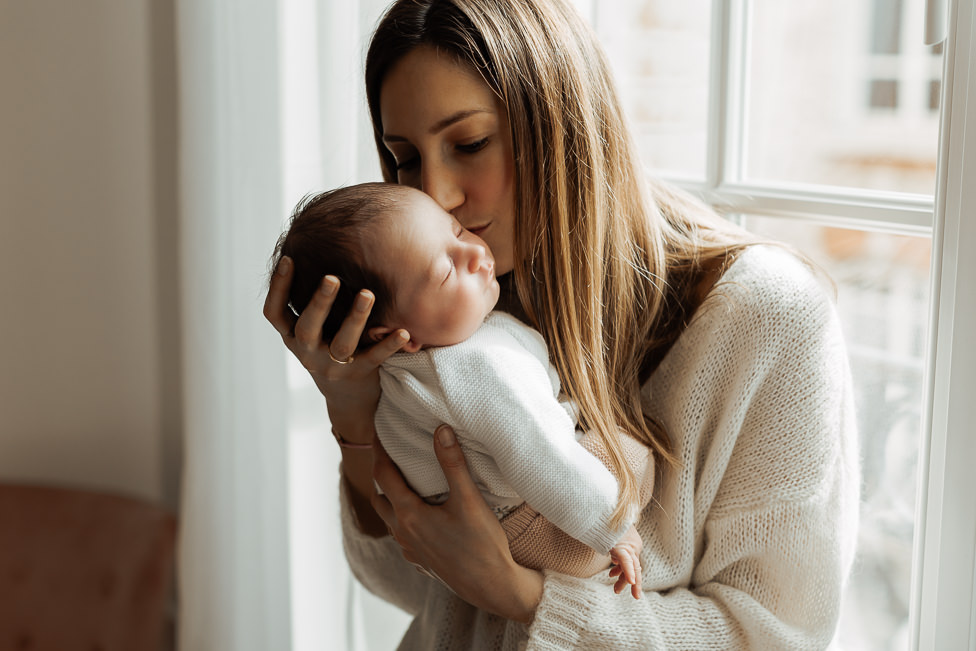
(407,163)
(473,147)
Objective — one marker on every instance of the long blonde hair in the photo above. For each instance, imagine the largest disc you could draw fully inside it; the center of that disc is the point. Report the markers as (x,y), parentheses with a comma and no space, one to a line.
(608,264)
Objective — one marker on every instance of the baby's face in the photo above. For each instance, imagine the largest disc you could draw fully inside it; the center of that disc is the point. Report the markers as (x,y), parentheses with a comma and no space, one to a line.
(443,275)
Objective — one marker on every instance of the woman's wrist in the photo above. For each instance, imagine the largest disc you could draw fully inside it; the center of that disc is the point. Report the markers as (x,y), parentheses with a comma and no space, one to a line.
(352,426)
(350,445)
(529,587)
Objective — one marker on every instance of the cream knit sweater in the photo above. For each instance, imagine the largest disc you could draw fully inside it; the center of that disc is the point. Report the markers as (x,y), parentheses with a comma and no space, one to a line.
(500,394)
(749,541)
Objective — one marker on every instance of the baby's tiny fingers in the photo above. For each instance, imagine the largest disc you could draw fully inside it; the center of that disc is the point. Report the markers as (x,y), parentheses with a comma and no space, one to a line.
(619,586)
(627,566)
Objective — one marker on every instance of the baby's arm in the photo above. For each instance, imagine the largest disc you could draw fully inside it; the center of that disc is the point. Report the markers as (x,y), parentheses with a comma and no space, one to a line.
(501,394)
(537,543)
(503,404)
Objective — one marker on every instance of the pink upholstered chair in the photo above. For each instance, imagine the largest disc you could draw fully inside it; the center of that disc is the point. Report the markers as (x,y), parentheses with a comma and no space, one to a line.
(83,570)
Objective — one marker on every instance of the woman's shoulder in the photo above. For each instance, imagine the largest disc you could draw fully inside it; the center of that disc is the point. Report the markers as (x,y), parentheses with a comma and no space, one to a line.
(771,270)
(769,293)
(767,277)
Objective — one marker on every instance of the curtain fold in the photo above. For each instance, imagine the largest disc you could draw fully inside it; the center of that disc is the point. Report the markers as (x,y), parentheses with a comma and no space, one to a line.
(233,555)
(270,108)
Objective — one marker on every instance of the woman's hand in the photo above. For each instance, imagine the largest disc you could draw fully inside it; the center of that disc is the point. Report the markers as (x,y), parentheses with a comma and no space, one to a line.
(350,384)
(460,541)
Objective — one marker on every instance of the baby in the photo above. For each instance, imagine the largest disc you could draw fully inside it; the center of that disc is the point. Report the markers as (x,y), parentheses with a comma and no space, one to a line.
(484,373)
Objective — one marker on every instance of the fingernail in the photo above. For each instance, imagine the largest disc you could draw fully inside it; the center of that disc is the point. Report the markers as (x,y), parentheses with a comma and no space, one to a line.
(445,436)
(330,285)
(284,265)
(363,301)
(403,336)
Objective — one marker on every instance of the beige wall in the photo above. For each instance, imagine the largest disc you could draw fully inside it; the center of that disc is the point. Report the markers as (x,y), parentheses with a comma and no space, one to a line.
(89,344)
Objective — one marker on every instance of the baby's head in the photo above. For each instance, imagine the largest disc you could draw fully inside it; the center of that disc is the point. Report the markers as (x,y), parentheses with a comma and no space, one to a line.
(429,276)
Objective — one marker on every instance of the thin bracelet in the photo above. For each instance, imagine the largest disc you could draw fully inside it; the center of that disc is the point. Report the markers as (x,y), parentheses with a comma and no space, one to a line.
(343,443)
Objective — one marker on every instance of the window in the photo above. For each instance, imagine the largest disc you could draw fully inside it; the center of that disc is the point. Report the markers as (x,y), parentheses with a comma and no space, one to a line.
(818,124)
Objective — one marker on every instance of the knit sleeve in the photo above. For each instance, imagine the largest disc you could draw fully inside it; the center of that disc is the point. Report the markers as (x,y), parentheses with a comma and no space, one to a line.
(502,399)
(750,539)
(379,565)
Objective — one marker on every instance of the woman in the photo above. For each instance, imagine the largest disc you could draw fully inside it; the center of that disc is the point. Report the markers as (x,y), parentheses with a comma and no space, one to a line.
(666,325)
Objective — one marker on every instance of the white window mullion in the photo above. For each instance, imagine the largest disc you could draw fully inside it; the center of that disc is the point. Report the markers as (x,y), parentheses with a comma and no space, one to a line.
(945,567)
(727,91)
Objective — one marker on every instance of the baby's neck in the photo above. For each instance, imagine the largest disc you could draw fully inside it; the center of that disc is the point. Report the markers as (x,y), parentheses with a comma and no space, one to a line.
(508,300)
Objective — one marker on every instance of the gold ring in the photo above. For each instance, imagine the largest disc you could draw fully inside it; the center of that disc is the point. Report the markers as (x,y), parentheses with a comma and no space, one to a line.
(341,361)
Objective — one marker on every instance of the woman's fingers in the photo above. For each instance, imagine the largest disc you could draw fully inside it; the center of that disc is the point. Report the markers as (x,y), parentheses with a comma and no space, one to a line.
(344,344)
(455,468)
(276,302)
(383,509)
(303,334)
(398,505)
(388,477)
(389,345)
(308,328)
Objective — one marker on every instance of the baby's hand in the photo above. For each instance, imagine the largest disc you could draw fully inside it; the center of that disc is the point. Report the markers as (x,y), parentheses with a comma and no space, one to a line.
(625,557)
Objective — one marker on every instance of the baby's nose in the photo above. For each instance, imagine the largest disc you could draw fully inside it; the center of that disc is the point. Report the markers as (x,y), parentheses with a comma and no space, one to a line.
(477,258)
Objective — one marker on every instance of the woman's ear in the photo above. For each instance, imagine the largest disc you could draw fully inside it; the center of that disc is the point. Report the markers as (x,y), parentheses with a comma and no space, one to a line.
(379,333)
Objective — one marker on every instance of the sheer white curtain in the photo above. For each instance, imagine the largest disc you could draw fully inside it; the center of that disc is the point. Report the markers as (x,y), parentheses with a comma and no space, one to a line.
(270,109)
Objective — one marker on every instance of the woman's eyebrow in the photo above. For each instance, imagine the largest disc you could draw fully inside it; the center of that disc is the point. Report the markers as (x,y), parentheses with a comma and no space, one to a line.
(441,124)
(454,119)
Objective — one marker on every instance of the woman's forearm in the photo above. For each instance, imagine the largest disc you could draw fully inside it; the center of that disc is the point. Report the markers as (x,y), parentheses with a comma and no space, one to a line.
(357,470)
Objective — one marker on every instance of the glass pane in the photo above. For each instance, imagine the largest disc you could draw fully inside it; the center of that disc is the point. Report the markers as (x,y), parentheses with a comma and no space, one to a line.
(840,93)
(659,51)
(882,297)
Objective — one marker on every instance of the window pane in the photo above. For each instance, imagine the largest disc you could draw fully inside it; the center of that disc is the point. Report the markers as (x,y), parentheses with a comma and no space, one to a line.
(882,297)
(886,28)
(884,93)
(840,94)
(659,50)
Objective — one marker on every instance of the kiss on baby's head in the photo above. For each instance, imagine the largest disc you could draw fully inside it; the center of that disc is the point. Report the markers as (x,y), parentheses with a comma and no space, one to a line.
(428,274)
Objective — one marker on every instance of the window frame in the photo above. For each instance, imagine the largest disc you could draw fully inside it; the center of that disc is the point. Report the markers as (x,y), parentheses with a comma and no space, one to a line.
(943,611)
(944,573)
(944,568)
(943,590)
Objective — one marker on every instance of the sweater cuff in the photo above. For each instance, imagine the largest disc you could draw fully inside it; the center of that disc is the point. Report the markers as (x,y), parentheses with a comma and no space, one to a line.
(602,536)
(562,614)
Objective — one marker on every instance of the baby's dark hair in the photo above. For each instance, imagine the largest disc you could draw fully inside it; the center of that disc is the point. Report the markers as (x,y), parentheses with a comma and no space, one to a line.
(327,235)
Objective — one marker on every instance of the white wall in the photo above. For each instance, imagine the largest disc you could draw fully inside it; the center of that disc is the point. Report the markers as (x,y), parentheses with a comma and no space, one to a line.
(89,338)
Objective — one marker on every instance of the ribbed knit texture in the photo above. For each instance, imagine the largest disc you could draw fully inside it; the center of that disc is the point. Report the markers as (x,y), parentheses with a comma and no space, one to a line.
(749,541)
(537,543)
(501,396)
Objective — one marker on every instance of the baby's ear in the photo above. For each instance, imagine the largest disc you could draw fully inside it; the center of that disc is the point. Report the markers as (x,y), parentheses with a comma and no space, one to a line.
(379,333)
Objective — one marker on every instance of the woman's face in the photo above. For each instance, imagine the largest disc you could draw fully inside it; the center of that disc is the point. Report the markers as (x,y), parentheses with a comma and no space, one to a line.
(450,137)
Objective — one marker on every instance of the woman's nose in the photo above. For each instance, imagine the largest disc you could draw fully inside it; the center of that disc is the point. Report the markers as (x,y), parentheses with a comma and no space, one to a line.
(442,186)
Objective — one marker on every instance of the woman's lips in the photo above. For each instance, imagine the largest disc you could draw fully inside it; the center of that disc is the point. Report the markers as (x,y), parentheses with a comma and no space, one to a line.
(478,230)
